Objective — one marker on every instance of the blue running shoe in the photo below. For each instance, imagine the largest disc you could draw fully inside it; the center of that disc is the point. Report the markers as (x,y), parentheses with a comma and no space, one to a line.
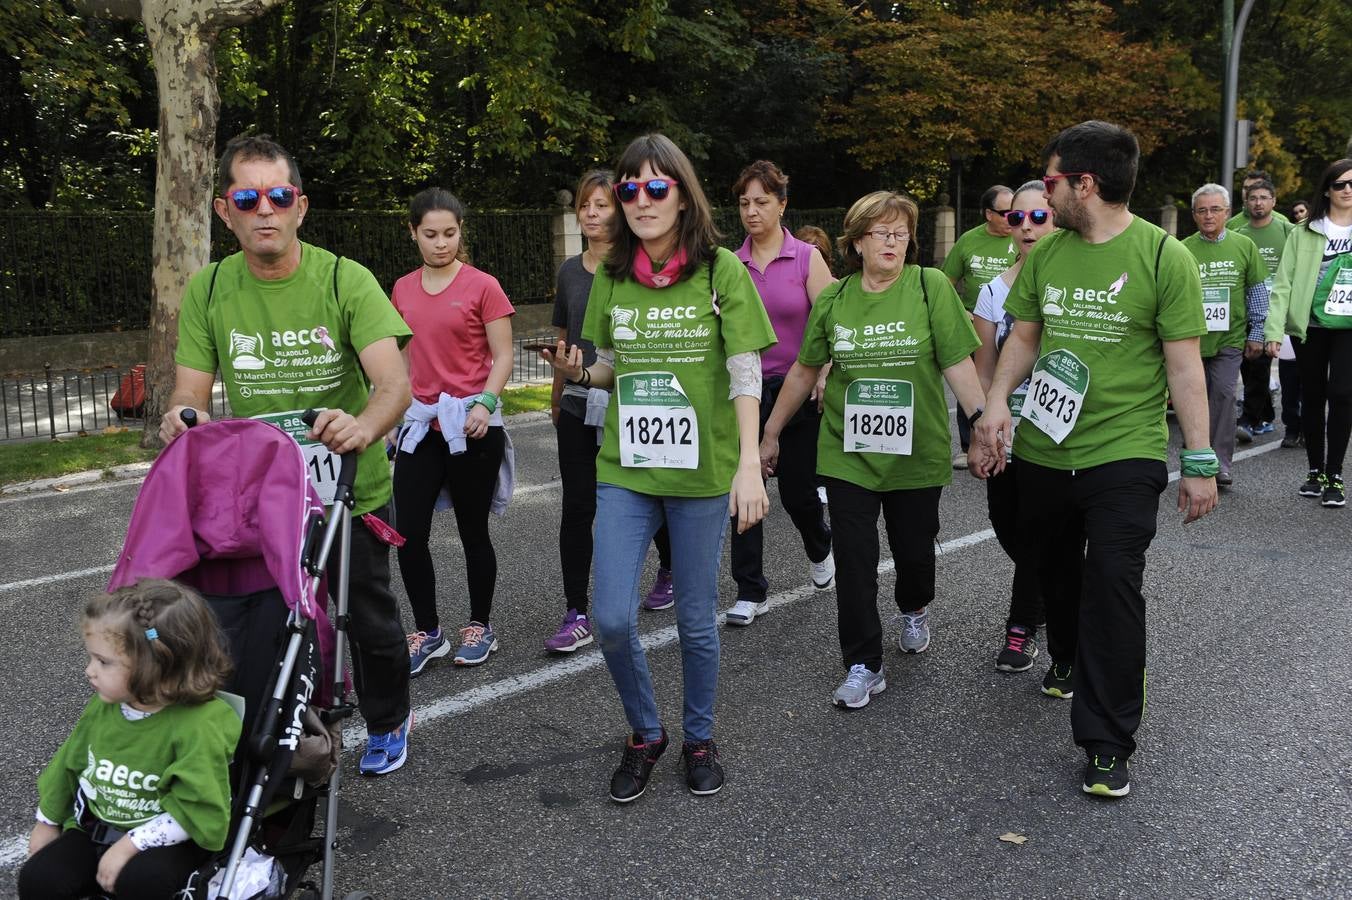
(386,752)
(423,647)
(476,642)
(1263,428)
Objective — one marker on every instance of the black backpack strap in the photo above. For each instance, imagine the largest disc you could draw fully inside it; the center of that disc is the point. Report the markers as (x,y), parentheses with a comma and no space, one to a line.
(336,261)
(924,288)
(1159,252)
(211,285)
(713,292)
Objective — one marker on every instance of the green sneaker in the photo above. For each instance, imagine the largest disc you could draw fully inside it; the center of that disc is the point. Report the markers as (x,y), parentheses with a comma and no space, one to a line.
(1057,682)
(1106,776)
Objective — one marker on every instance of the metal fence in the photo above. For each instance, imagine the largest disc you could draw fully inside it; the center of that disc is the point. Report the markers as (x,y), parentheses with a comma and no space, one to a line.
(73,273)
(56,404)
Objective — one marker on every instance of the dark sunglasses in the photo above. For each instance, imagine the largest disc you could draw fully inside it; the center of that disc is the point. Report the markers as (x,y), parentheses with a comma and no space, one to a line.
(656,188)
(1049,181)
(282,196)
(1341,185)
(1037,216)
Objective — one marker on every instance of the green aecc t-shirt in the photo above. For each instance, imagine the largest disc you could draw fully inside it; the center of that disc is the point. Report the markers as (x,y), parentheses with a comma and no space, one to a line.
(290,345)
(671,430)
(886,349)
(1270,239)
(1109,307)
(1227,267)
(128,772)
(976,258)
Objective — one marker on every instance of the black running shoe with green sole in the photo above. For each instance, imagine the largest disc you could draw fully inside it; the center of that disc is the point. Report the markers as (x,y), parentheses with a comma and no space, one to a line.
(1057,682)
(1106,776)
(1333,492)
(1314,484)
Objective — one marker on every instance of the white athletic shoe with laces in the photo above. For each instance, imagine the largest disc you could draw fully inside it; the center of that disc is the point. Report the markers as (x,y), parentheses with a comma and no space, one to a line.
(824,572)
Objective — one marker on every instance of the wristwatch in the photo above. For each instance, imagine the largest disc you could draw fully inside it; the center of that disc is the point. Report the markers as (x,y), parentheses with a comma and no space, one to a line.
(971,420)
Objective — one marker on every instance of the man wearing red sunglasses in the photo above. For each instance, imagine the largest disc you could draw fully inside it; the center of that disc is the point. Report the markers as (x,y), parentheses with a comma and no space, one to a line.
(292,327)
(1108,317)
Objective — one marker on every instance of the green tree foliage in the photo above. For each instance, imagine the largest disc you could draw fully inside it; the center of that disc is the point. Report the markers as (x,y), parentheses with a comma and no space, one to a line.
(506,102)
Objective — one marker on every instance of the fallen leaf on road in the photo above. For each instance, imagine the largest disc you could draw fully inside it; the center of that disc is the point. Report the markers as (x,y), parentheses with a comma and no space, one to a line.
(61,487)
(789,713)
(1010,837)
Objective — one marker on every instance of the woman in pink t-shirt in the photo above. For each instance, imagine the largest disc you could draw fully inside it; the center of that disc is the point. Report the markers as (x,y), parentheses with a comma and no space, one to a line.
(452,438)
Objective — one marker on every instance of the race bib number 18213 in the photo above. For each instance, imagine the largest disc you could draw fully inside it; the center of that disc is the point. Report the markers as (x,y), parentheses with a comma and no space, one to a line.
(1056,392)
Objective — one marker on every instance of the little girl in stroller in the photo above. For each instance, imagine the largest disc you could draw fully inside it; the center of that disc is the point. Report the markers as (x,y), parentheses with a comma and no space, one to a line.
(138,796)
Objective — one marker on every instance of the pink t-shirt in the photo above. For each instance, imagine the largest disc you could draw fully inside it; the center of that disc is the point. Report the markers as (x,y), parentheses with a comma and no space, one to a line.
(449,351)
(783,290)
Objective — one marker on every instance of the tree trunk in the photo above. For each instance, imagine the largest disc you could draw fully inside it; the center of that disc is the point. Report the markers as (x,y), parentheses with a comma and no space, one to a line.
(185,73)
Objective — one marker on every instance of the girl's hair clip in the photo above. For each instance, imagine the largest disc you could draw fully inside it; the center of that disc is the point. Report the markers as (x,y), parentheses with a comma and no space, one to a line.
(152,634)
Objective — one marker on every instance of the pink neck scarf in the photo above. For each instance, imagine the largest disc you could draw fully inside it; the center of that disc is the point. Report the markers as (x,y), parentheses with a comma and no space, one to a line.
(643,269)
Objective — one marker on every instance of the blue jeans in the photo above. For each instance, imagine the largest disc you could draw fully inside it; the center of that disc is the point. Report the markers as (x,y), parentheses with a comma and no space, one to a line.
(625,524)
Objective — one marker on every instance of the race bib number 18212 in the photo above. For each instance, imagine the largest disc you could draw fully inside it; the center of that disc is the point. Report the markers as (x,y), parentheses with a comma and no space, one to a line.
(658,427)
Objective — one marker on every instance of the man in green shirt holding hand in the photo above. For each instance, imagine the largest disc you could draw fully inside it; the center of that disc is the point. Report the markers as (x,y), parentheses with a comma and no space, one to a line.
(1107,318)
(1235,302)
(979,255)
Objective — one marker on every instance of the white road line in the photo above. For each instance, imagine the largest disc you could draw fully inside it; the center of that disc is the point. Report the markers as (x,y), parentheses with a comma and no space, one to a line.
(53,579)
(14,850)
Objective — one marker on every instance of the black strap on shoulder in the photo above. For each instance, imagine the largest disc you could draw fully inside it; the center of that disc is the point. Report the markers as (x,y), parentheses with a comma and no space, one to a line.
(713,293)
(924,288)
(211,285)
(336,261)
(1159,252)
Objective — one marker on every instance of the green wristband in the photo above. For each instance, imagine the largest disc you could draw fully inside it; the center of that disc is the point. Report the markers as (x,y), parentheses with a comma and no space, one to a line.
(1201,463)
(488,400)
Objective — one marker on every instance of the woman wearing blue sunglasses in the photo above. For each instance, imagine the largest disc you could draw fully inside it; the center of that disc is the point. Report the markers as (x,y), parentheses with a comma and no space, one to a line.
(1029,220)
(678,328)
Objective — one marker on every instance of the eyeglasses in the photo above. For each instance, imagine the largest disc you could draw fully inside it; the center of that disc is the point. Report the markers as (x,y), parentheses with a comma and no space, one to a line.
(282,196)
(1015,217)
(1341,185)
(1210,210)
(656,189)
(882,234)
(1049,181)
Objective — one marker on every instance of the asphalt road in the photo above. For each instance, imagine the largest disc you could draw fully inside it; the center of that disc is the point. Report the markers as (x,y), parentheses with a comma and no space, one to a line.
(1241,787)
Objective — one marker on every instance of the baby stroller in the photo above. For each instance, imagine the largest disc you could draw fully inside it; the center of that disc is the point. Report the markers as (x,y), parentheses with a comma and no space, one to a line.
(229,510)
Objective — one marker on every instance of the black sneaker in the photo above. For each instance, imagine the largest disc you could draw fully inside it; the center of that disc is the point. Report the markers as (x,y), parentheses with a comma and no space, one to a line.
(1057,682)
(1293,439)
(703,772)
(1224,479)
(1333,492)
(631,778)
(1106,776)
(1314,484)
(1019,650)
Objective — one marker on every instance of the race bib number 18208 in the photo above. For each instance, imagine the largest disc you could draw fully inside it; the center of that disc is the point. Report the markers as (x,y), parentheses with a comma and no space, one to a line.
(879,416)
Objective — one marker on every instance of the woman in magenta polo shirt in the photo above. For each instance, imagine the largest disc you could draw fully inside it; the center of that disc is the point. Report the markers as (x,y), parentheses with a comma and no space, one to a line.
(788,274)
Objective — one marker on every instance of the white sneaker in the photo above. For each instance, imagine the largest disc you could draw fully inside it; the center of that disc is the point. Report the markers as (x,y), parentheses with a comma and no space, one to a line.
(744,612)
(858,687)
(915,632)
(824,572)
(960,461)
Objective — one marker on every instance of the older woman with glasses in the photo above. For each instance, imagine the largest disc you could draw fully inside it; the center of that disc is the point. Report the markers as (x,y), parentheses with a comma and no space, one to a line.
(894,334)
(678,330)
(1312,302)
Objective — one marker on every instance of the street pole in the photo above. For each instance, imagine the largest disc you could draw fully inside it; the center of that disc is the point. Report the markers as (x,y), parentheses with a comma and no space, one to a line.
(1231,100)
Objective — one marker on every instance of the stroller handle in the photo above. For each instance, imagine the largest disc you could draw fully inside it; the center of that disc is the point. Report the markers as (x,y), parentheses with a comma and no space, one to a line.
(189,416)
(347,474)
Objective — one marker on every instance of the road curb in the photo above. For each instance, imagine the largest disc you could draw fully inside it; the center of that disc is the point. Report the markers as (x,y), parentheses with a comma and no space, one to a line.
(75,479)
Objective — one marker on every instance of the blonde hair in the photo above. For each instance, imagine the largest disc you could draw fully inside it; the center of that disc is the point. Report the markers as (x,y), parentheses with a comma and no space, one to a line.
(868,210)
(174,647)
